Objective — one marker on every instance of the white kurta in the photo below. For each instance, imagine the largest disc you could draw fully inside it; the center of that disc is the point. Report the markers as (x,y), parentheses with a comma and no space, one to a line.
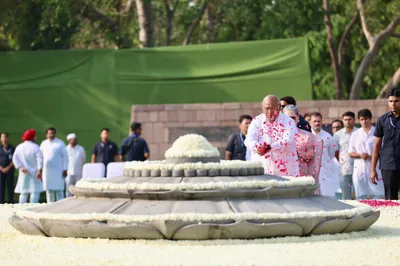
(362,142)
(28,156)
(282,160)
(55,161)
(329,174)
(76,159)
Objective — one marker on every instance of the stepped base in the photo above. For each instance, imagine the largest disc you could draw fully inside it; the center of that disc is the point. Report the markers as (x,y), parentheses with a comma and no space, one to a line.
(228,218)
(195,188)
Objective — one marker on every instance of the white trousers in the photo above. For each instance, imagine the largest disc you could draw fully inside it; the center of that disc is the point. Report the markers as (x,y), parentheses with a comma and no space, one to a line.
(71,180)
(34,197)
(54,195)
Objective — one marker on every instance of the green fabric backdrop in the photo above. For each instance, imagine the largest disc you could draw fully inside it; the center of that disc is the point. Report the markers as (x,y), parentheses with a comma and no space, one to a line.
(82,91)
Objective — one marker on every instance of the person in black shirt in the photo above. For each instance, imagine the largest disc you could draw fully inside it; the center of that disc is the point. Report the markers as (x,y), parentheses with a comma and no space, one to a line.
(134,147)
(235,149)
(307,117)
(105,151)
(6,169)
(302,124)
(387,147)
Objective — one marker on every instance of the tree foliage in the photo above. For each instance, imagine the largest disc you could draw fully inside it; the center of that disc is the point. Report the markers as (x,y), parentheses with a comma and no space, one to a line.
(86,24)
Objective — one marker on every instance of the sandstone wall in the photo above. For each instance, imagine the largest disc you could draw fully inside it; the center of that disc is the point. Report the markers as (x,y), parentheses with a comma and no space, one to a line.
(162,124)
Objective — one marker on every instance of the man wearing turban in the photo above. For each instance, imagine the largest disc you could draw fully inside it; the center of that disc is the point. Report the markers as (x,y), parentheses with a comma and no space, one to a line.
(76,159)
(28,160)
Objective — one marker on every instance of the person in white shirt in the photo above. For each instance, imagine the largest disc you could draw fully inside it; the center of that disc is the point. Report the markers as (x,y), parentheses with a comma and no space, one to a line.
(28,160)
(271,140)
(329,174)
(360,148)
(342,139)
(55,165)
(76,159)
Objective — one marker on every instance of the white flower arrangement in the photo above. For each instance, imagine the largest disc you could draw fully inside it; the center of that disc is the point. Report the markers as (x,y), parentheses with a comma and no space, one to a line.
(102,184)
(199,166)
(163,165)
(146,165)
(123,218)
(154,165)
(238,164)
(212,166)
(182,166)
(191,146)
(167,166)
(231,164)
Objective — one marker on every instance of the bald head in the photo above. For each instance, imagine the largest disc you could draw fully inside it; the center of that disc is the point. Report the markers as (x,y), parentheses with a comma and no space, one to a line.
(271,107)
(271,99)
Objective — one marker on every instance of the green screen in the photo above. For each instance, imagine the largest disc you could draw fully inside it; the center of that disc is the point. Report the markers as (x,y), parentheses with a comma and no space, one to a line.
(82,91)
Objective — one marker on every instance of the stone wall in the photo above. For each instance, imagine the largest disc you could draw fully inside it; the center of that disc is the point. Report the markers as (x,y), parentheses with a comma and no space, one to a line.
(162,124)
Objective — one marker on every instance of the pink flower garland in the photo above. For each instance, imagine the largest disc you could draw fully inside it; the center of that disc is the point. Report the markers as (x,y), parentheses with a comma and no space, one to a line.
(381,203)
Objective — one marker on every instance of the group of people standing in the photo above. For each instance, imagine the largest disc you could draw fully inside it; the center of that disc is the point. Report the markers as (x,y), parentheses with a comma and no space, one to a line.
(46,167)
(364,161)
(53,166)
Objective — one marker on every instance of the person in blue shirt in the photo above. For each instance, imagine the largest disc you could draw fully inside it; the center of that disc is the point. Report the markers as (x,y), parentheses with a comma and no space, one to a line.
(6,169)
(134,147)
(235,149)
(105,151)
(387,147)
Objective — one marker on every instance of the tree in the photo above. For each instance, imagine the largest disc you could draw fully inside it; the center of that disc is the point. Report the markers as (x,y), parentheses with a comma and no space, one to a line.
(195,23)
(393,82)
(374,41)
(111,24)
(170,11)
(88,24)
(336,54)
(38,24)
(332,50)
(145,18)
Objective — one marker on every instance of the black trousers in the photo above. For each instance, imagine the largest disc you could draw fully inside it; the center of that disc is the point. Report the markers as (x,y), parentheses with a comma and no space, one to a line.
(7,180)
(391,180)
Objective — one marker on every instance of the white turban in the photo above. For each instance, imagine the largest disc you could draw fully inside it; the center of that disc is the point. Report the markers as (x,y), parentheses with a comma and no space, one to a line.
(71,136)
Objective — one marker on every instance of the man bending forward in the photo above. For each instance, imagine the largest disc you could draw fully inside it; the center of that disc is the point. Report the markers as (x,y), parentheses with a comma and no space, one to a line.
(271,140)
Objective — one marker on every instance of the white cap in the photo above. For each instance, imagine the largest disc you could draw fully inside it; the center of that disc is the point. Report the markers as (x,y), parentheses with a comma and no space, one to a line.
(71,136)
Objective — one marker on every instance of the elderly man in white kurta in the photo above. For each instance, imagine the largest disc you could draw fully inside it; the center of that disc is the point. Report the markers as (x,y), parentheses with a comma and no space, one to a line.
(329,174)
(28,160)
(271,140)
(360,148)
(55,165)
(76,159)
